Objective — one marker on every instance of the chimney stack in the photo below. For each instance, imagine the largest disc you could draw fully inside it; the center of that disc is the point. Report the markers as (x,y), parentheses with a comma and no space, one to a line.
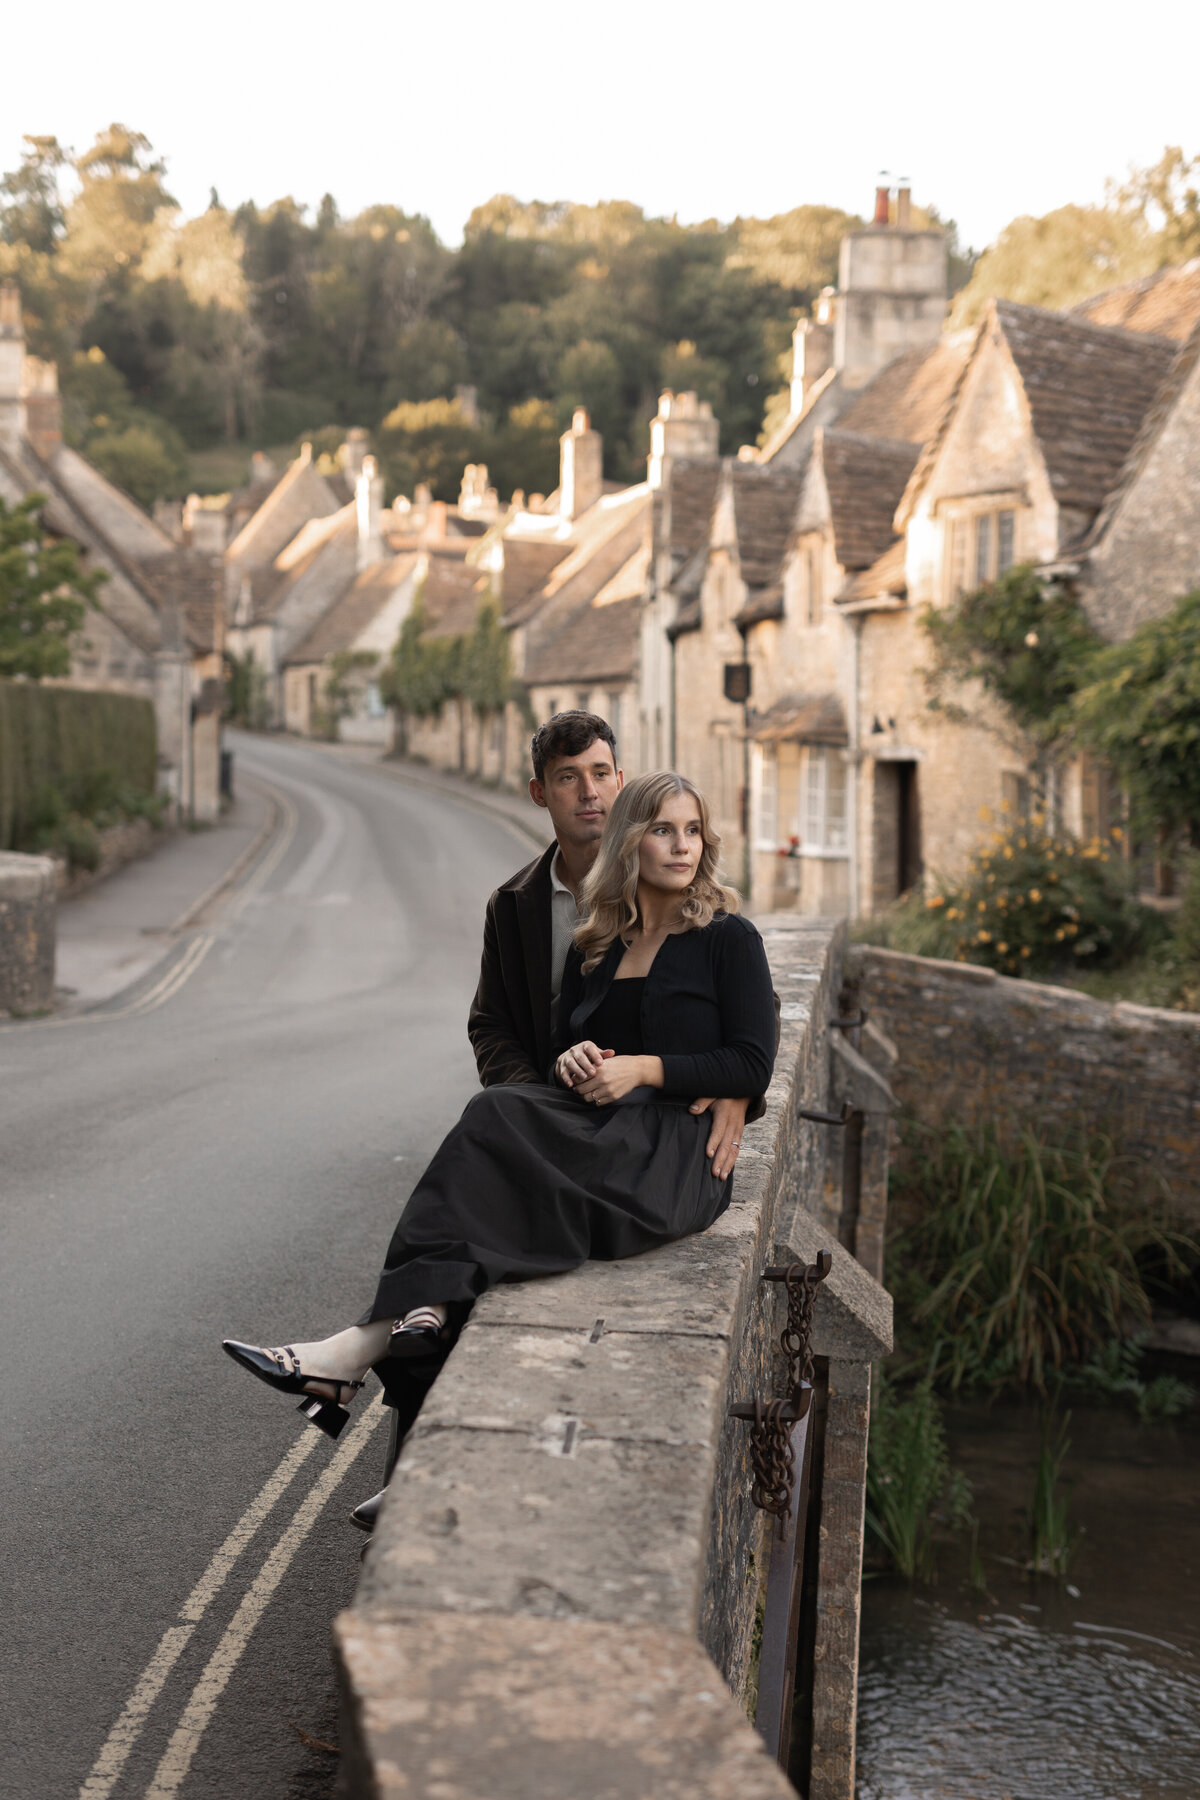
(882,195)
(904,204)
(581,467)
(368,501)
(683,430)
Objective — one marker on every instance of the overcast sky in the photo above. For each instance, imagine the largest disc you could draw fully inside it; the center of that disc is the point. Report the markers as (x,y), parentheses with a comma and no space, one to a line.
(687,109)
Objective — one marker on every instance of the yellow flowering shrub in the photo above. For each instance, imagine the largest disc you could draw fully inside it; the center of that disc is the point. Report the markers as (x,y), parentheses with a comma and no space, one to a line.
(1037,901)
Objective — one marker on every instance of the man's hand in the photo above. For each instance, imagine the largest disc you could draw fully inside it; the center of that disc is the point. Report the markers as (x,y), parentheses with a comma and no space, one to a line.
(725,1138)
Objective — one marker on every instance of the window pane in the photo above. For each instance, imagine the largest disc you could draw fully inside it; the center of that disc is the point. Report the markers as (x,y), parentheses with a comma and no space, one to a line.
(983,548)
(814,797)
(1005,521)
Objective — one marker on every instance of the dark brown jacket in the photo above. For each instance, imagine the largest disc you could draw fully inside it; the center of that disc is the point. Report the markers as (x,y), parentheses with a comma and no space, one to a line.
(509,1021)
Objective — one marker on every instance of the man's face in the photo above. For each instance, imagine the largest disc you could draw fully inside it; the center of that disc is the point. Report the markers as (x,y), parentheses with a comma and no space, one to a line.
(577,792)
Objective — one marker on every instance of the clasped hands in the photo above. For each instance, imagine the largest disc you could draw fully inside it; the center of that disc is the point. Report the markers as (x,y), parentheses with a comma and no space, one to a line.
(601,1076)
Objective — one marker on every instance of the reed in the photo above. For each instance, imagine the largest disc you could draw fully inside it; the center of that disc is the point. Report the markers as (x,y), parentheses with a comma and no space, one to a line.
(1051,1539)
(910,1484)
(1026,1255)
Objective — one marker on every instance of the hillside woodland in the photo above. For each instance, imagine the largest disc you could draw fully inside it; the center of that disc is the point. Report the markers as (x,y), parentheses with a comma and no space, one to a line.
(252,327)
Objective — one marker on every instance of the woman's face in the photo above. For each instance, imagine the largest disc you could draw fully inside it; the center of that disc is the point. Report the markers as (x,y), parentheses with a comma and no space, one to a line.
(671,848)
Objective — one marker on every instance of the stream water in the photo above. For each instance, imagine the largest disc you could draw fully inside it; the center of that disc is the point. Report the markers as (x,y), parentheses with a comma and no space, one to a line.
(1036,1689)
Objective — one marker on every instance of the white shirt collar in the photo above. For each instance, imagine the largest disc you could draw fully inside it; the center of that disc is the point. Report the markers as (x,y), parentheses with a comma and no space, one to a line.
(557,884)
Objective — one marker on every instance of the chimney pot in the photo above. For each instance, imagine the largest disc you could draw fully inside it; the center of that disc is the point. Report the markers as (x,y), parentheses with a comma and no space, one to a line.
(882,211)
(904,204)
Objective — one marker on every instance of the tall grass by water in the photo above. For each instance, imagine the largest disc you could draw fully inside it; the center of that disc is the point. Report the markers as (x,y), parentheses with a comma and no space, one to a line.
(910,1484)
(1025,1257)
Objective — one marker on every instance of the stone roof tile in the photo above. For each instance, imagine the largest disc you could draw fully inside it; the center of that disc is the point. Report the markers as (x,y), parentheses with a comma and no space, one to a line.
(596,643)
(865,478)
(350,615)
(908,397)
(764,508)
(1166,303)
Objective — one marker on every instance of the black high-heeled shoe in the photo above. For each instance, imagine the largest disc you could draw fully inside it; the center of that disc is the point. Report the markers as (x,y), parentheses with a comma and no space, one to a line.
(419,1333)
(327,1415)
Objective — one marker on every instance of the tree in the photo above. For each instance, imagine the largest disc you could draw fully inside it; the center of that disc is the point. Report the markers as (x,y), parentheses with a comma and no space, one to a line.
(141,460)
(485,667)
(1140,711)
(44,594)
(32,212)
(1061,258)
(430,441)
(1167,196)
(419,678)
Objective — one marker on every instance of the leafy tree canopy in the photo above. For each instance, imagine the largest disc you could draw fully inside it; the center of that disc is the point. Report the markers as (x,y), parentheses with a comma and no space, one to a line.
(44,594)
(1140,711)
(1025,639)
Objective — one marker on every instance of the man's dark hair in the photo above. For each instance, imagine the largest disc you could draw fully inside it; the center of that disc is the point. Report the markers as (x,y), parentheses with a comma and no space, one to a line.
(566,734)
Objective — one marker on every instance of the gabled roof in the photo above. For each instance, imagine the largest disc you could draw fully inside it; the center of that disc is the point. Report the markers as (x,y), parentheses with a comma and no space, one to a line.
(1088,388)
(829,384)
(127,599)
(887,576)
(1156,417)
(692,496)
(764,511)
(350,615)
(195,584)
(529,563)
(908,398)
(595,643)
(451,597)
(299,495)
(321,572)
(865,478)
(1166,303)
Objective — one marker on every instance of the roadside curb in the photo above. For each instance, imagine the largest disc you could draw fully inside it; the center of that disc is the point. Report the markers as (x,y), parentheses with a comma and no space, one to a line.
(241,863)
(464,794)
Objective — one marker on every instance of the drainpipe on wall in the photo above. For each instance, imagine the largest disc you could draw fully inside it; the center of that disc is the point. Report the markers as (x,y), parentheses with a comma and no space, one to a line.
(854,757)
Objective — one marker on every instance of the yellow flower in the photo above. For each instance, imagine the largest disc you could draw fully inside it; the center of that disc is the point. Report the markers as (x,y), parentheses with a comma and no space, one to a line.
(1005,807)
(1035,895)
(936,900)
(1038,819)
(985,814)
(982,906)
(1116,834)
(1002,903)
(1024,843)
(1002,948)
(1008,851)
(1025,950)
(983,937)
(1060,934)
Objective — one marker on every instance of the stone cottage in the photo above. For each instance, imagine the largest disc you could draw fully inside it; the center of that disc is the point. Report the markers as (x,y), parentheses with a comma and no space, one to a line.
(157,630)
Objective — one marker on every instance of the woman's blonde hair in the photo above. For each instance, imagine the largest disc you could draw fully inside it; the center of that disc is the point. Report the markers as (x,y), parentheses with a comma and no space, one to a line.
(608,896)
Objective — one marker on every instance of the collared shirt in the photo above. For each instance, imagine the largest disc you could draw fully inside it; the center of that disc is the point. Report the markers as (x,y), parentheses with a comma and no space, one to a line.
(564,917)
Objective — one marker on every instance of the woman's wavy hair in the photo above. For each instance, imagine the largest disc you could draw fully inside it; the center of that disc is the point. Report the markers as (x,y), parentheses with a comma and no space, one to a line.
(608,896)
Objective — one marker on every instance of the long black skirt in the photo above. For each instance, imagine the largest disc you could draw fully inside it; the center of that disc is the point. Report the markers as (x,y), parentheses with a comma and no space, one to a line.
(533,1181)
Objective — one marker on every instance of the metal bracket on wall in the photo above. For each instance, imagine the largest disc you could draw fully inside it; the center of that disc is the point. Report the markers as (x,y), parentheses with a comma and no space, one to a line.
(854,1023)
(823,1118)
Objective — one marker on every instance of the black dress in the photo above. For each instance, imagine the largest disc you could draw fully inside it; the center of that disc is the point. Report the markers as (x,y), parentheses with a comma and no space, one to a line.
(533,1180)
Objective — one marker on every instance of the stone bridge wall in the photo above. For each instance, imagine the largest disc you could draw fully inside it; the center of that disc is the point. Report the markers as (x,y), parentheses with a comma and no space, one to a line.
(560,1595)
(974,1045)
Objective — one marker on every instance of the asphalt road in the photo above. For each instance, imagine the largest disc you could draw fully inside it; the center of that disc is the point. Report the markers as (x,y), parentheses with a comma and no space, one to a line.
(226,1159)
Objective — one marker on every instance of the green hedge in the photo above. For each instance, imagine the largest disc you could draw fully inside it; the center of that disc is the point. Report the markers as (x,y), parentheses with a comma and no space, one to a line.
(69,748)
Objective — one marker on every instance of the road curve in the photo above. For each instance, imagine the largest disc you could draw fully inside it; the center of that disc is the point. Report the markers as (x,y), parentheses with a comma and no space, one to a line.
(228,1161)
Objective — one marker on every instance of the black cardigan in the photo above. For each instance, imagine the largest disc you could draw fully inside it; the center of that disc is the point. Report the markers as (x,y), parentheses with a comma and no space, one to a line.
(708,1009)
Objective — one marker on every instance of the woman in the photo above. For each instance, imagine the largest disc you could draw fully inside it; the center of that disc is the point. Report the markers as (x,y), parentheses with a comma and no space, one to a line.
(666,995)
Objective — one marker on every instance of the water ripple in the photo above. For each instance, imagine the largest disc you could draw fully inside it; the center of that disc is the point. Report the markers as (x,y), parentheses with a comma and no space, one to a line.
(1003,1709)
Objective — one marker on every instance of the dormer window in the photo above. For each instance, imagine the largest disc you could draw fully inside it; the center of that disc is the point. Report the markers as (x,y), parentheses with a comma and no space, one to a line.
(980,544)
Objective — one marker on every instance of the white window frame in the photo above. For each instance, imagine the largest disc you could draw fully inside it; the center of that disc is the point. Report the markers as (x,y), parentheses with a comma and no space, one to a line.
(972,531)
(822,833)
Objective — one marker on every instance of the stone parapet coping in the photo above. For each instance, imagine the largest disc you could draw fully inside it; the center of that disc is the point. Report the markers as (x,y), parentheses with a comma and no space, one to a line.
(568,1528)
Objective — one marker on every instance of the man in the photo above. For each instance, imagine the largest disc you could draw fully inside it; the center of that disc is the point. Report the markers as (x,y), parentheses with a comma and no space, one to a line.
(526,935)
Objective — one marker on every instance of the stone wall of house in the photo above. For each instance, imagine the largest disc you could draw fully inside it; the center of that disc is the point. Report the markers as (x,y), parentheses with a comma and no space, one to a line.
(973,1045)
(560,1594)
(1150,554)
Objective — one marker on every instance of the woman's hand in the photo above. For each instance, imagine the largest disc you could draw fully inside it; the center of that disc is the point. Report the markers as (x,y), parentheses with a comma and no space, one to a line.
(580,1063)
(618,1076)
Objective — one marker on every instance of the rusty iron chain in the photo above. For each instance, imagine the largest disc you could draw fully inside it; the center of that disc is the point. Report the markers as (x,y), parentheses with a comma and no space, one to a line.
(772,1455)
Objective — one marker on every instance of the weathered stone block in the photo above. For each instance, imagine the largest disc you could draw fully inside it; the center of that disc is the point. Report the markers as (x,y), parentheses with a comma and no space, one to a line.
(538,1709)
(28,902)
